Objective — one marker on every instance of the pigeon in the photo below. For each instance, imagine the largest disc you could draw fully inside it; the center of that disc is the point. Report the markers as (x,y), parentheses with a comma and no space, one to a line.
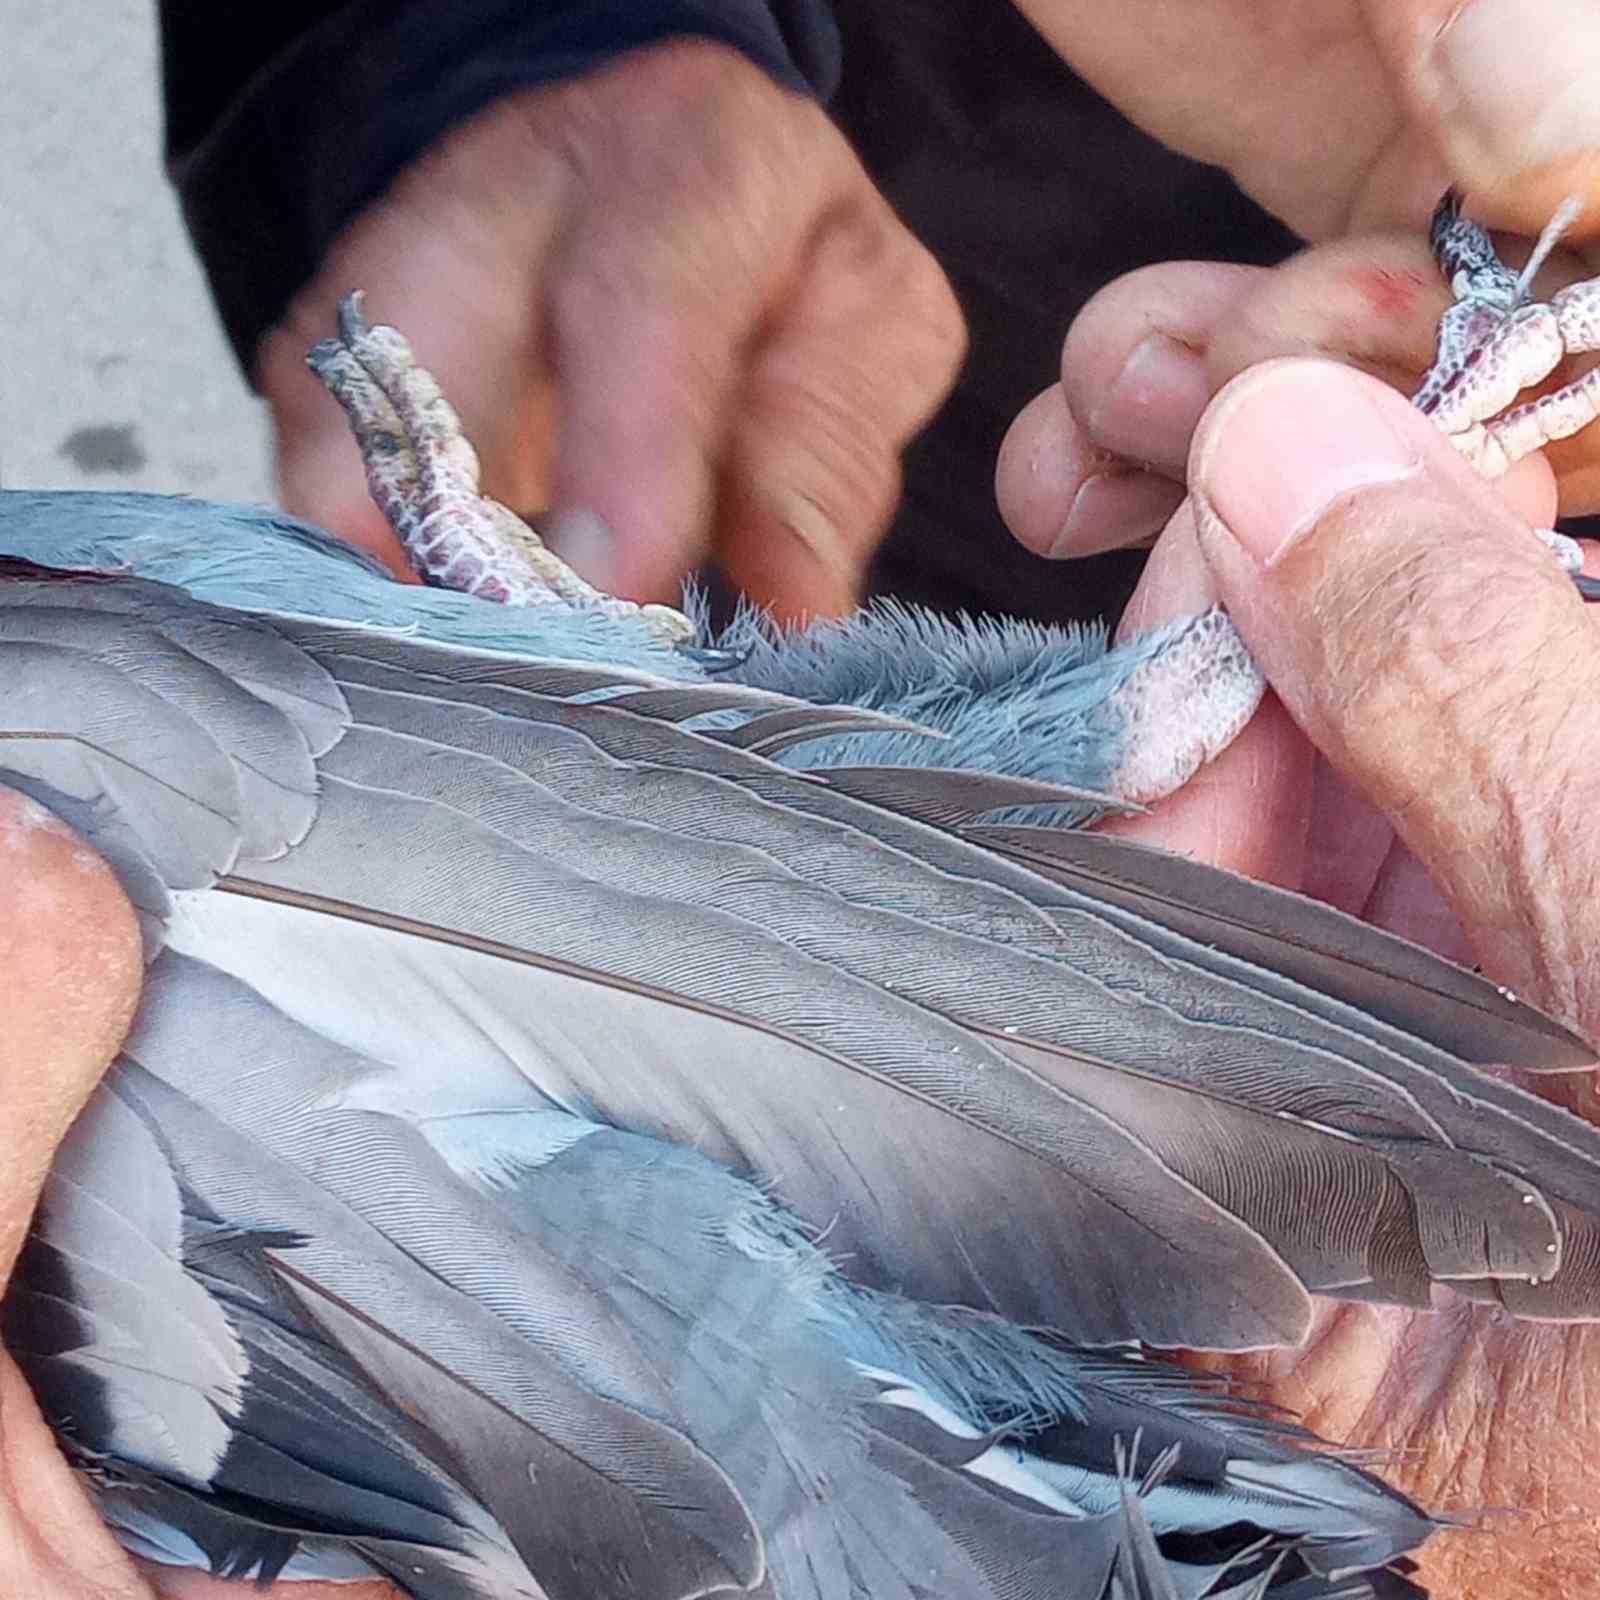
(620,1110)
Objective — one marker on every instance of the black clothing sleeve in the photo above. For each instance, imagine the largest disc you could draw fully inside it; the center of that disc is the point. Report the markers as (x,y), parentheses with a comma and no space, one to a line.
(284,121)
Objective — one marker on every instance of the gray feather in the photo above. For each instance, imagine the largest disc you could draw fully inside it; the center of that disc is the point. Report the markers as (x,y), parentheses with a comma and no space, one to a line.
(1323,950)
(530,1007)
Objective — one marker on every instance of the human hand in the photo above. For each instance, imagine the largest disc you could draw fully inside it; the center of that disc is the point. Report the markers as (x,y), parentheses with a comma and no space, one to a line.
(1431,665)
(70,966)
(1343,116)
(665,293)
(70,969)
(1098,461)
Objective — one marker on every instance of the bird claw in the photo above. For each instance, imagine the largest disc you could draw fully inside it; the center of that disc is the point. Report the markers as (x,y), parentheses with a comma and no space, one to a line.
(1497,341)
(423,474)
(713,659)
(1187,702)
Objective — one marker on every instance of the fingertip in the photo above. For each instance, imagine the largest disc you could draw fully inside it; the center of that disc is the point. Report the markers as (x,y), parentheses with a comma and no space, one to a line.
(1148,412)
(633,501)
(794,580)
(1286,440)
(1133,365)
(634,454)
(1062,498)
(588,544)
(1042,463)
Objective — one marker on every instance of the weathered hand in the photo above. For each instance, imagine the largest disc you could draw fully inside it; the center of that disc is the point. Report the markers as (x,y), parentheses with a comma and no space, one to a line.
(1419,638)
(1144,357)
(665,293)
(70,967)
(1343,117)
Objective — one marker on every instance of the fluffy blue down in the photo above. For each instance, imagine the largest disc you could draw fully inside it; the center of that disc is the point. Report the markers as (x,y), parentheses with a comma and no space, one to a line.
(252,558)
(1014,697)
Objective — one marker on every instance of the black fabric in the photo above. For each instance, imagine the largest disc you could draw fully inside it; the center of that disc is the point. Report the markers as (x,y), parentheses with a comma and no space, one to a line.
(1031,190)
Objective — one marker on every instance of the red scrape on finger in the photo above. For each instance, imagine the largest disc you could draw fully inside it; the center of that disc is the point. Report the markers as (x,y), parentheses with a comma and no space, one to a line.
(1388,293)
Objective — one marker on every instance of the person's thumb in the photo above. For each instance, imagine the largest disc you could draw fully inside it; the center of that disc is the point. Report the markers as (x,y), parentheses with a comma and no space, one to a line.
(1428,644)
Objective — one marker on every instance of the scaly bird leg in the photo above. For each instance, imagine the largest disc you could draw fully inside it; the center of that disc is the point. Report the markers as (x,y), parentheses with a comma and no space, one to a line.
(1496,341)
(423,473)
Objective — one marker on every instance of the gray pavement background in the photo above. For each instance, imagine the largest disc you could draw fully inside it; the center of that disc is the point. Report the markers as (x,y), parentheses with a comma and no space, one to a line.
(113,371)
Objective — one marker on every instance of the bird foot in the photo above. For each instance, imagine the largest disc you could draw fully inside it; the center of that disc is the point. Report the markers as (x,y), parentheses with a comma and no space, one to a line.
(1187,701)
(1496,341)
(423,474)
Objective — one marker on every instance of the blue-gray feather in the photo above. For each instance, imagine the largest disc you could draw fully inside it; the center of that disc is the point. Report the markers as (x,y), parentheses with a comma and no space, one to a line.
(1018,698)
(593,1129)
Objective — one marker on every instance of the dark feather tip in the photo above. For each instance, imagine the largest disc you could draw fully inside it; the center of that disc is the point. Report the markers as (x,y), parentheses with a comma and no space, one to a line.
(713,658)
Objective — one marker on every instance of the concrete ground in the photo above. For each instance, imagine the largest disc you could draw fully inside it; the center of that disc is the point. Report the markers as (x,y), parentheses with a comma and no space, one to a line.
(113,370)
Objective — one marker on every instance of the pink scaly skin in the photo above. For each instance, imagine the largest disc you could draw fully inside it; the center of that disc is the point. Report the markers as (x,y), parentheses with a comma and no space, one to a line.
(1496,341)
(423,475)
(1181,707)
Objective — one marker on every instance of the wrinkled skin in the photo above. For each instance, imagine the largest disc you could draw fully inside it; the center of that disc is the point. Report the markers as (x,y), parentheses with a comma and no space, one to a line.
(1414,634)
(1419,639)
(666,293)
(1344,117)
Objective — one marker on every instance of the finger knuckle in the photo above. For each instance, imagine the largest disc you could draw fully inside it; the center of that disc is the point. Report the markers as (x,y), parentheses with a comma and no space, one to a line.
(914,307)
(933,317)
